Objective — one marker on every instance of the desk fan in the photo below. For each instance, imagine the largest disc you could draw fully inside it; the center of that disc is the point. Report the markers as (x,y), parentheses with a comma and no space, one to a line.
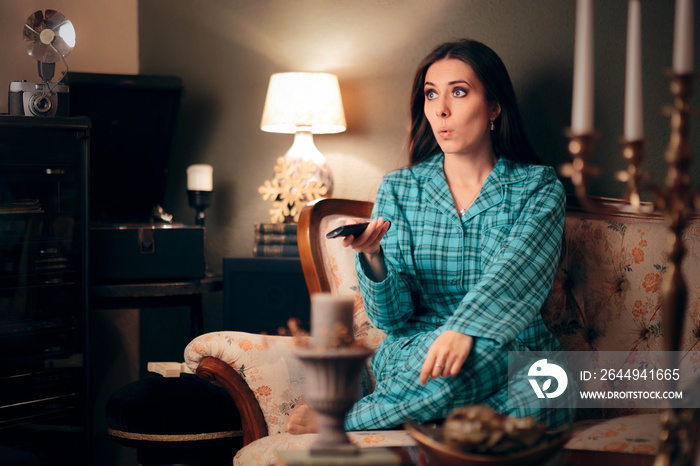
(51,38)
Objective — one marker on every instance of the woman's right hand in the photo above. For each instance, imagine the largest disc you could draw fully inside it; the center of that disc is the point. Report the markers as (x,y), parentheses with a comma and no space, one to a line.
(368,244)
(368,241)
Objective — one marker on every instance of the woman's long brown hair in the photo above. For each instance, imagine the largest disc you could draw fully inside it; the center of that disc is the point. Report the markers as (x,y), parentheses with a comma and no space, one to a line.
(508,139)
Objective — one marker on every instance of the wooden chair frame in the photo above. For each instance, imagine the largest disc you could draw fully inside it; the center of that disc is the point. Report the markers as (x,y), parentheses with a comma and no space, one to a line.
(309,237)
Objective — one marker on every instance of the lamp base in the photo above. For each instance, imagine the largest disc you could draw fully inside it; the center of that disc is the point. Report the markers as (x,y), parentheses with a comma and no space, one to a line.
(303,153)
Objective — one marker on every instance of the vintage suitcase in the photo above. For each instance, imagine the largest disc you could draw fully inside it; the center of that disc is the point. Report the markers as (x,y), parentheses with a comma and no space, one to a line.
(146,252)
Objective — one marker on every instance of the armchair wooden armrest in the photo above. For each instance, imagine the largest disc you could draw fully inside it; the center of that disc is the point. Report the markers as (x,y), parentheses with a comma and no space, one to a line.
(217,371)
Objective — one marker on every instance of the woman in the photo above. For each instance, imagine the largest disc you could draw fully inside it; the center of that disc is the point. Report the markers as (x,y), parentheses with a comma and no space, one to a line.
(461,276)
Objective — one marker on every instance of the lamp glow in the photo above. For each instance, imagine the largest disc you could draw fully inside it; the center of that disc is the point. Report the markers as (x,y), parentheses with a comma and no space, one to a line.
(302,104)
(308,100)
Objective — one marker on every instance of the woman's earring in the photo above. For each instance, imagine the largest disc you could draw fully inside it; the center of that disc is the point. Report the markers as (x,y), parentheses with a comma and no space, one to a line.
(493,126)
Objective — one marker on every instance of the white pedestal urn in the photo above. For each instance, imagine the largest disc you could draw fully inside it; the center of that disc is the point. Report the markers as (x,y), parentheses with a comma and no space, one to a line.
(332,386)
(333,363)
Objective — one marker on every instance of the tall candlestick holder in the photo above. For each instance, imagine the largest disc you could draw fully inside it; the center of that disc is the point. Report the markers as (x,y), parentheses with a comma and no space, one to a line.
(199,200)
(677,201)
(332,387)
(333,364)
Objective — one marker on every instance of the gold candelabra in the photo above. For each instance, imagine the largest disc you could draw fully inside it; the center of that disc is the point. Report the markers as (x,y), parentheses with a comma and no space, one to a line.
(677,201)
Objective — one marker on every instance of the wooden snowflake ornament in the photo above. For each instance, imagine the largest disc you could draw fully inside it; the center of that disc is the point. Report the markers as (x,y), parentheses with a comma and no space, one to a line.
(296,183)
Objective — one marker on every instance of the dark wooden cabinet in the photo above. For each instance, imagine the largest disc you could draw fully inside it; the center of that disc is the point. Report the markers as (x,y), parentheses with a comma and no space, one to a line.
(262,293)
(44,380)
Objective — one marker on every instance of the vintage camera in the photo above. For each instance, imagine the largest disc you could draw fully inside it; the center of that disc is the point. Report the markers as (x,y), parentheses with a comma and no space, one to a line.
(38,99)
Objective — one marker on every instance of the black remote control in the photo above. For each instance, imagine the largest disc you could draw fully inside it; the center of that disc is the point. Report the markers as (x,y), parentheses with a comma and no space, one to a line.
(346,230)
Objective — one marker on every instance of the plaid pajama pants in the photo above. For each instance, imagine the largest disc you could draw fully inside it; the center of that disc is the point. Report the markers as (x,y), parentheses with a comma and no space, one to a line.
(399,396)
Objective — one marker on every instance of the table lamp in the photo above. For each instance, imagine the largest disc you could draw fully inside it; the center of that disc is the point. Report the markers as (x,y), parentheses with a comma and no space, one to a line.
(302,104)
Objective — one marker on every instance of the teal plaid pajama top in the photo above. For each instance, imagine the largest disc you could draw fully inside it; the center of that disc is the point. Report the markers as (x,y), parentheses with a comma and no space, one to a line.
(486,274)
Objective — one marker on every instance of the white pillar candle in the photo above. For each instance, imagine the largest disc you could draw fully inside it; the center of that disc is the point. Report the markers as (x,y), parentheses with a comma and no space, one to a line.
(683,37)
(199,177)
(583,95)
(634,121)
(331,320)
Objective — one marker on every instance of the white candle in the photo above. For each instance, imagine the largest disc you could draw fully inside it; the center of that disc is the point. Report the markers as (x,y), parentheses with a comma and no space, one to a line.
(583,98)
(634,121)
(199,177)
(331,320)
(683,38)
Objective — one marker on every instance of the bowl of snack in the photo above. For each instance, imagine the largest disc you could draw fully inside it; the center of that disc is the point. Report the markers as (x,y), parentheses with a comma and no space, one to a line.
(477,435)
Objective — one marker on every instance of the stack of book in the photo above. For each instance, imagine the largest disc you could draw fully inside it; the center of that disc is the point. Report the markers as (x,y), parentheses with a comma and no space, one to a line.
(275,240)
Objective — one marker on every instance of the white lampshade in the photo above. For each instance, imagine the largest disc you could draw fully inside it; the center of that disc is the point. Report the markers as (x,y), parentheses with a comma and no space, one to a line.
(308,100)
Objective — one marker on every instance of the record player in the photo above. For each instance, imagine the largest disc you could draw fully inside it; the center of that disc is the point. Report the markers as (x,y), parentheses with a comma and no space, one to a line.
(133,120)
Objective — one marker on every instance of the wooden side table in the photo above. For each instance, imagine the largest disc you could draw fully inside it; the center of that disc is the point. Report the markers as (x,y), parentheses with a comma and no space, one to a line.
(262,293)
(160,294)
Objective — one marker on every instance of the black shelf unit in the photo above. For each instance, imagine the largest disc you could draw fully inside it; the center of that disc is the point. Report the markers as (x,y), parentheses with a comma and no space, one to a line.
(262,293)
(44,380)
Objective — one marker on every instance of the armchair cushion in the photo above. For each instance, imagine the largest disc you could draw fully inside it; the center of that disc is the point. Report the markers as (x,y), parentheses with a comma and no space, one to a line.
(630,434)
(339,262)
(607,291)
(265,449)
(627,434)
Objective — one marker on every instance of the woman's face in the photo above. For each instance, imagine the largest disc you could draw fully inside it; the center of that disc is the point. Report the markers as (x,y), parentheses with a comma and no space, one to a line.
(456,108)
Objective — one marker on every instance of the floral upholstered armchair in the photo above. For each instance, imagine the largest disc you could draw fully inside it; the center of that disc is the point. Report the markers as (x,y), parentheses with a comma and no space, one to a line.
(606,297)
(264,378)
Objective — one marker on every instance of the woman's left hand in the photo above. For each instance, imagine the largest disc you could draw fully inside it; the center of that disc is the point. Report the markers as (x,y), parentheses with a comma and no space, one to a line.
(446,355)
